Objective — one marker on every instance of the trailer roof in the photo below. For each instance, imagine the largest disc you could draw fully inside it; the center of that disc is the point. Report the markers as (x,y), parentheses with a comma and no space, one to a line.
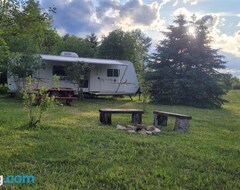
(80,59)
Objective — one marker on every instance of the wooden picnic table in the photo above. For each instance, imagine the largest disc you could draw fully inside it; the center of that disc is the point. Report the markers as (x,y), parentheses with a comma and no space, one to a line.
(63,94)
(66,94)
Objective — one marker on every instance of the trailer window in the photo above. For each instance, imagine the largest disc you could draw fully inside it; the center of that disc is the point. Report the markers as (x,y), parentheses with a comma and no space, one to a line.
(116,72)
(109,72)
(59,71)
(113,72)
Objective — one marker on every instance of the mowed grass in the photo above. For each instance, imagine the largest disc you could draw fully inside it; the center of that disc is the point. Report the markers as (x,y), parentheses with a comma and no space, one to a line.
(72,150)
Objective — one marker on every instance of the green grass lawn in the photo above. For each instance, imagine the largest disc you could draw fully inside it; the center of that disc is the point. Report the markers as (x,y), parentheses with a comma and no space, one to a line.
(72,150)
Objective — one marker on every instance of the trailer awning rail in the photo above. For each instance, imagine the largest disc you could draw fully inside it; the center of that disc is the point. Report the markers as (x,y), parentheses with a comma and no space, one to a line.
(80,59)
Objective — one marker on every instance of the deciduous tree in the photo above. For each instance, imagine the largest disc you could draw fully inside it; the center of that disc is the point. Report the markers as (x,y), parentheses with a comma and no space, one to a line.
(4,56)
(78,73)
(22,66)
(27,31)
(78,45)
(132,46)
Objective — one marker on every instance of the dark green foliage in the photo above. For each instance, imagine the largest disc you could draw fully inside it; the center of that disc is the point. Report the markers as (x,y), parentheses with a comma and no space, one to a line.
(184,70)
(82,47)
(235,83)
(93,41)
(112,46)
(4,55)
(4,51)
(3,89)
(120,45)
(27,28)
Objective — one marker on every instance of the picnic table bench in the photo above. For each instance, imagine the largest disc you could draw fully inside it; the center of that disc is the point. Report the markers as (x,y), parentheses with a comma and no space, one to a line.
(181,122)
(106,114)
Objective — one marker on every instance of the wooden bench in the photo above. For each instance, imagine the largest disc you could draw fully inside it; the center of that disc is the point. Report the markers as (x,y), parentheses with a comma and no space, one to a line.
(181,122)
(106,114)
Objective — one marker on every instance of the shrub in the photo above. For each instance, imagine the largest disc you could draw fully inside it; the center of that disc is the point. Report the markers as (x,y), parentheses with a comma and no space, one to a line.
(36,103)
(3,89)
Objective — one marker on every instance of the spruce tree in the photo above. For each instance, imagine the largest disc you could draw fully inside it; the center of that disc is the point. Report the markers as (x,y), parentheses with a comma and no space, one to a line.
(184,69)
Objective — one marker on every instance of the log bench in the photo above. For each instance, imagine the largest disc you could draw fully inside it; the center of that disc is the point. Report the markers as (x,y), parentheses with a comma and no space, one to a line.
(106,115)
(181,122)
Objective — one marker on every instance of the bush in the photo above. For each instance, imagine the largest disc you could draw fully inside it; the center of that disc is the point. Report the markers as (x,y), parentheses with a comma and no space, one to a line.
(3,89)
(236,87)
(36,103)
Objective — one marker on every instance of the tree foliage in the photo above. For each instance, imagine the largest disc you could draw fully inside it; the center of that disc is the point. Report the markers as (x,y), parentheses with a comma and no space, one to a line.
(36,103)
(26,30)
(235,83)
(92,39)
(4,51)
(22,66)
(184,69)
(78,73)
(83,47)
(4,56)
(120,45)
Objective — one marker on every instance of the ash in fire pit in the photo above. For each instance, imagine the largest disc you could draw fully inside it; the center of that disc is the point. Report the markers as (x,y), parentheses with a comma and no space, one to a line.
(141,129)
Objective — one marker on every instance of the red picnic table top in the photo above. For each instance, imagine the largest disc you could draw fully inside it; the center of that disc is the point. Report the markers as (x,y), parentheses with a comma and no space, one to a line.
(61,89)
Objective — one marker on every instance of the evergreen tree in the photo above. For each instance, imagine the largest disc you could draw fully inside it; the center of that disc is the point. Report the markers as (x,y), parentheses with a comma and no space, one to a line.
(92,40)
(184,70)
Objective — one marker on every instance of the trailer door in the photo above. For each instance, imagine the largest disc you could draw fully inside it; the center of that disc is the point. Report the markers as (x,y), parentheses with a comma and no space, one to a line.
(95,79)
(111,79)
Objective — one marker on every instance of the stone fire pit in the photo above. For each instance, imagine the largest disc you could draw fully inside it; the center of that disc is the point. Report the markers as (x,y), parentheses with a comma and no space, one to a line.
(138,128)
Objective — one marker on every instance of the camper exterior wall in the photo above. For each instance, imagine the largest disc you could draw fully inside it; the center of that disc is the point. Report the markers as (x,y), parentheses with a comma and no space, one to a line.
(129,82)
(46,77)
(125,83)
(104,79)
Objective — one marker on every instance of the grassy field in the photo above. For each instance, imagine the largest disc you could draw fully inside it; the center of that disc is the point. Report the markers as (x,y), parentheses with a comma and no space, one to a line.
(72,150)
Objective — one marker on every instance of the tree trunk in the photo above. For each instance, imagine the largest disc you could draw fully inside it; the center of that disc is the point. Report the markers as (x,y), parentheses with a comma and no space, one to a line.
(80,91)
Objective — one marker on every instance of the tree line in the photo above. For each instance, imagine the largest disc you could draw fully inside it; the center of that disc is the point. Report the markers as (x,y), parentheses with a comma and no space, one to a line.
(184,69)
(26,29)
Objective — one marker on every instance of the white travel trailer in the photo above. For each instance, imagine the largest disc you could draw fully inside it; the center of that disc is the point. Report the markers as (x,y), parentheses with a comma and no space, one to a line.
(108,77)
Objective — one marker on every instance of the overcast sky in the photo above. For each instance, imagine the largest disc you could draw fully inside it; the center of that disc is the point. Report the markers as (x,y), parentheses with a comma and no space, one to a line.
(82,17)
